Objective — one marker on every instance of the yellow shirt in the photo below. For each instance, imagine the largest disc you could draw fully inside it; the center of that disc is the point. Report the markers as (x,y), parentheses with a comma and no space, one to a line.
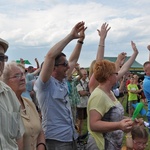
(124,148)
(101,103)
(32,125)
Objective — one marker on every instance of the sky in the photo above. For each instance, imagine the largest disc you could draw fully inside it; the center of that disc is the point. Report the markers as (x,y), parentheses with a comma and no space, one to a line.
(32,27)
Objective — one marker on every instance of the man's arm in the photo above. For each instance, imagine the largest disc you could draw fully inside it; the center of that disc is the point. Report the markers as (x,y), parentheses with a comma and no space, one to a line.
(37,63)
(148,47)
(76,52)
(49,62)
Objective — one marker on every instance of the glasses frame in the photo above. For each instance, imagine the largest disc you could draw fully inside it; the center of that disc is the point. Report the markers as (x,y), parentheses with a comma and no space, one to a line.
(18,76)
(3,58)
(140,144)
(65,64)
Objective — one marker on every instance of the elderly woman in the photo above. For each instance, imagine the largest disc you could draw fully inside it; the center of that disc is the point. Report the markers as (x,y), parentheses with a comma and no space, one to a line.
(33,138)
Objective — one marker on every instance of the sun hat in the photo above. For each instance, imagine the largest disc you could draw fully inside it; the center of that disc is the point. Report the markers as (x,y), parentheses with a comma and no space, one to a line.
(4,44)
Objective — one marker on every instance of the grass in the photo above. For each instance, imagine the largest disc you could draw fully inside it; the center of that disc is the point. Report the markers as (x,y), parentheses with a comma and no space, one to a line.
(124,105)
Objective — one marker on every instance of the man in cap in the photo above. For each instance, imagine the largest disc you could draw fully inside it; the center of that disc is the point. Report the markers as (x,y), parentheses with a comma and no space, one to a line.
(11,125)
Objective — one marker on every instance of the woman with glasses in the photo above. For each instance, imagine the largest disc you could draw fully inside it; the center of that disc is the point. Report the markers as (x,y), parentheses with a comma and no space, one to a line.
(106,123)
(11,125)
(14,77)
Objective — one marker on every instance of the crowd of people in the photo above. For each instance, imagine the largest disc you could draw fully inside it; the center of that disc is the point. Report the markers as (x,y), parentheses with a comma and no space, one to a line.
(44,109)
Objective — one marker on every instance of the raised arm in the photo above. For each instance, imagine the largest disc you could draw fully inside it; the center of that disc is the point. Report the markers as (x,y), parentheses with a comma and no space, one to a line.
(120,60)
(129,62)
(100,53)
(76,52)
(37,63)
(49,61)
(77,67)
(148,47)
(102,34)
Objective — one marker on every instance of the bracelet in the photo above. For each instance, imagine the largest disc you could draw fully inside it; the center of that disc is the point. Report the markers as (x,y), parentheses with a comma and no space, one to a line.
(102,45)
(81,42)
(41,144)
(128,136)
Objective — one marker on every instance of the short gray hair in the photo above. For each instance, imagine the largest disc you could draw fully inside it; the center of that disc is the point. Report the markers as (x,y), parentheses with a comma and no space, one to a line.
(8,68)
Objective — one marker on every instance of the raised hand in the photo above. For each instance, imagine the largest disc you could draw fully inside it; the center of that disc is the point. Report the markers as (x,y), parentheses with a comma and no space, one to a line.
(148,47)
(134,47)
(76,31)
(126,125)
(122,57)
(82,34)
(104,29)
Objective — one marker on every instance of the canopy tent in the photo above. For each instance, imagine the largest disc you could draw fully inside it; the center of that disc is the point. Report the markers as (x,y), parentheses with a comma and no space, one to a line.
(26,63)
(136,66)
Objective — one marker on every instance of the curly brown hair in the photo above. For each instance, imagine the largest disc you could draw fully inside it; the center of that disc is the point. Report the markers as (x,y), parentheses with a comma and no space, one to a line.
(103,70)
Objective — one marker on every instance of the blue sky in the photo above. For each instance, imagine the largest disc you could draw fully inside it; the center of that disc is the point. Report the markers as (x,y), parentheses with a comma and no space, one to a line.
(32,27)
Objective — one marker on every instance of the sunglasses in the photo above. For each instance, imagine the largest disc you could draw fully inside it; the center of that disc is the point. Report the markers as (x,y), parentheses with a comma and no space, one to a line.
(3,58)
(65,64)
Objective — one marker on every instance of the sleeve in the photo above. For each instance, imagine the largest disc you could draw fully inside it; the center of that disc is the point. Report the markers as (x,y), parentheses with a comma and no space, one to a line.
(100,103)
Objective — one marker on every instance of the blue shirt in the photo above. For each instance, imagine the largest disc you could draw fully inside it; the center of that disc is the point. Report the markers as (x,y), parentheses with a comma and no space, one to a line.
(57,120)
(146,89)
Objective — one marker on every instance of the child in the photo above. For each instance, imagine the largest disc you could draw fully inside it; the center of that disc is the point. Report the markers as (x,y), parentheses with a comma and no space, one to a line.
(137,139)
(133,95)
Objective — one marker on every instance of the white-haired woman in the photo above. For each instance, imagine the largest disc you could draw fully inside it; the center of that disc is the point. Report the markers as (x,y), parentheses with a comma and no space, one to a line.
(33,138)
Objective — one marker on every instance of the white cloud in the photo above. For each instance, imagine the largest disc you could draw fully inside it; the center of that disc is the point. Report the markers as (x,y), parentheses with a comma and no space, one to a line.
(32,24)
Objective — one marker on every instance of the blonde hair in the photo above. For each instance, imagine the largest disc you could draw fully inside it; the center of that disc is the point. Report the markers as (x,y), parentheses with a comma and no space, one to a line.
(103,70)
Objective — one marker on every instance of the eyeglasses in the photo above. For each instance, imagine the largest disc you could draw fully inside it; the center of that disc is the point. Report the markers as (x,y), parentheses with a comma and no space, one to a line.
(3,58)
(140,144)
(18,76)
(65,64)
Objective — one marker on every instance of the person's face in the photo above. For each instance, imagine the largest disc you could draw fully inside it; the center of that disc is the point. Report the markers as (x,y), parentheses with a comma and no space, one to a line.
(84,74)
(132,80)
(147,69)
(140,143)
(62,68)
(17,80)
(3,59)
(113,78)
